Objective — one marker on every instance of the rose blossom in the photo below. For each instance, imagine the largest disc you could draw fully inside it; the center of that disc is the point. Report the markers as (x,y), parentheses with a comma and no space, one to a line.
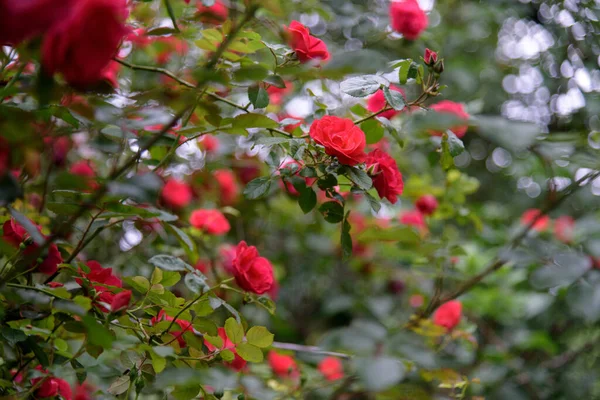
(294,168)
(212,222)
(176,193)
(341,138)
(386,177)
(331,368)
(408,18)
(427,204)
(541,223)
(564,228)
(252,272)
(283,365)
(430,57)
(83,42)
(228,186)
(414,218)
(450,107)
(238,362)
(377,102)
(448,314)
(306,46)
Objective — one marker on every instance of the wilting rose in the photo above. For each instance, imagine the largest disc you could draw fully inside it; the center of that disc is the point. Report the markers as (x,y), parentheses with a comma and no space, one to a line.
(83,42)
(408,18)
(212,222)
(252,272)
(306,46)
(387,179)
(448,314)
(341,138)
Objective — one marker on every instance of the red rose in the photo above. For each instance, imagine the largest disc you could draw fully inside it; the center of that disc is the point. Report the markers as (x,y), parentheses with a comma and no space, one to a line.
(450,107)
(84,391)
(215,14)
(185,326)
(120,301)
(294,168)
(51,386)
(13,233)
(408,18)
(227,185)
(138,37)
(564,228)
(377,102)
(306,46)
(238,362)
(282,365)
(23,19)
(84,169)
(448,314)
(276,95)
(227,254)
(541,223)
(110,74)
(252,272)
(176,193)
(331,368)
(83,42)
(341,138)
(414,218)
(99,274)
(212,222)
(426,204)
(209,143)
(386,177)
(291,127)
(430,57)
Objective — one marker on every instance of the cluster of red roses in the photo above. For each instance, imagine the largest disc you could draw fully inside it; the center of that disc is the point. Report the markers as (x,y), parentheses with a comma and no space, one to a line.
(284,366)
(105,284)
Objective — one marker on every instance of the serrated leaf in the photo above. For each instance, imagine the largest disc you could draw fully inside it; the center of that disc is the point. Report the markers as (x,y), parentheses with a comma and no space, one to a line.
(346,239)
(259,336)
(271,141)
(258,96)
(227,355)
(403,68)
(275,80)
(455,145)
(170,263)
(234,331)
(332,211)
(394,99)
(257,188)
(249,352)
(251,120)
(196,282)
(360,86)
(359,177)
(216,341)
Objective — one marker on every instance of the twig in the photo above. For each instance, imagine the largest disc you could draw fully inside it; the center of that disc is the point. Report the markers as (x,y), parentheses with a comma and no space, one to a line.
(309,349)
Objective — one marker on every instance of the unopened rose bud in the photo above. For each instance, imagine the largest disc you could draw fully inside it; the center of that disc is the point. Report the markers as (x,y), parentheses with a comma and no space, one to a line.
(430,57)
(438,67)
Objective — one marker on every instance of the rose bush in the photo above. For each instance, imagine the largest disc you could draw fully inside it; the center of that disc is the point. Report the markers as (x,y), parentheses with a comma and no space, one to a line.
(281,200)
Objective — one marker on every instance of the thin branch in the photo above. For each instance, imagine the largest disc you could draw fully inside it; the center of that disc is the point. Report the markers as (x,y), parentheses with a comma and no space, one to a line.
(155,70)
(309,349)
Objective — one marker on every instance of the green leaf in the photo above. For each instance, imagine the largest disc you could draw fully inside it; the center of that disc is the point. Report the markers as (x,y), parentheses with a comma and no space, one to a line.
(373,130)
(373,202)
(196,282)
(446,159)
(234,331)
(307,200)
(170,278)
(455,145)
(249,352)
(139,283)
(227,355)
(346,239)
(259,336)
(13,336)
(379,373)
(359,177)
(157,276)
(584,300)
(394,98)
(205,325)
(271,141)
(267,304)
(183,238)
(258,96)
(158,362)
(404,68)
(332,211)
(119,386)
(275,80)
(251,120)
(565,269)
(257,188)
(214,340)
(97,334)
(327,181)
(170,263)
(250,73)
(360,86)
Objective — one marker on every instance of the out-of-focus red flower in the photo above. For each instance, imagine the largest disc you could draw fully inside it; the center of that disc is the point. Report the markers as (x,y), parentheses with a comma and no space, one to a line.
(448,314)
(15,234)
(541,223)
(416,300)
(215,14)
(387,179)
(60,147)
(331,368)
(228,186)
(84,391)
(51,386)
(111,72)
(120,301)
(86,170)
(451,107)
(277,95)
(408,18)
(169,45)
(176,194)
(238,362)
(306,46)
(427,204)
(564,228)
(291,127)
(283,365)
(341,138)
(414,218)
(252,272)
(83,42)
(212,222)
(202,266)
(138,38)
(185,326)
(294,168)
(18,378)
(209,143)
(377,102)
